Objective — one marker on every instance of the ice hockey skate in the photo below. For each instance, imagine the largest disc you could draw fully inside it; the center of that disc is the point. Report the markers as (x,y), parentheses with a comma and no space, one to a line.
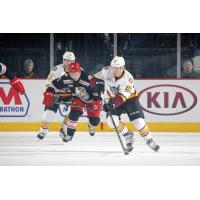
(41,135)
(129,137)
(152,144)
(64,136)
(91,130)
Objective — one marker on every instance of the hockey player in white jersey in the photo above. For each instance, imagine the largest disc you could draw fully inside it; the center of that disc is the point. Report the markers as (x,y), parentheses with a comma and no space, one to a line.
(51,108)
(123,97)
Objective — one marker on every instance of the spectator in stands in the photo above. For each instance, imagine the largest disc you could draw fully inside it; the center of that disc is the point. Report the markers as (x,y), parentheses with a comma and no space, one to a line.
(196,60)
(28,69)
(188,70)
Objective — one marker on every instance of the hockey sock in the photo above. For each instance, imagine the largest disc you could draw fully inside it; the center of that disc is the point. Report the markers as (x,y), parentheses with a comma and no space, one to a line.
(44,127)
(69,126)
(121,127)
(142,128)
(94,121)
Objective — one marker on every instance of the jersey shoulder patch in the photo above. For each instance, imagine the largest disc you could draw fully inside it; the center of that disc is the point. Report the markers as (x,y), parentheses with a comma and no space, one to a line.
(130,80)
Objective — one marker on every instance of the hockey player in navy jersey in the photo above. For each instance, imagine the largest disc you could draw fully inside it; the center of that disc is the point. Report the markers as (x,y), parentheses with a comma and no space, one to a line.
(86,91)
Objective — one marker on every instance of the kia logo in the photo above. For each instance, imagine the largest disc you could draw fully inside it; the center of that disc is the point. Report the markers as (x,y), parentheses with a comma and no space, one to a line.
(167,99)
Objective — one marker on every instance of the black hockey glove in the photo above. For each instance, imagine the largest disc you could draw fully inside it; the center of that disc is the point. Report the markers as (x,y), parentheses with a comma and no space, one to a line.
(97,84)
(108,106)
(100,85)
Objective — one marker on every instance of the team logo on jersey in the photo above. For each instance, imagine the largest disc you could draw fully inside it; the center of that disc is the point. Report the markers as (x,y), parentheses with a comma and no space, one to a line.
(167,99)
(81,93)
(130,80)
(128,89)
(12,104)
(114,90)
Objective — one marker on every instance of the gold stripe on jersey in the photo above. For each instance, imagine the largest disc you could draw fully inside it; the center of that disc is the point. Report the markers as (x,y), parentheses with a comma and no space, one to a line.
(122,96)
(121,126)
(61,94)
(133,95)
(144,131)
(45,125)
(64,94)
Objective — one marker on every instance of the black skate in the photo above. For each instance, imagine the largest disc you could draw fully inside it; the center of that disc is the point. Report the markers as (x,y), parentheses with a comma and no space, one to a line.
(129,137)
(64,136)
(91,130)
(41,136)
(151,143)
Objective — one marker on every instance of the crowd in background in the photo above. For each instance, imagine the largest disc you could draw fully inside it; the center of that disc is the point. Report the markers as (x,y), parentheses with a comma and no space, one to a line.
(147,55)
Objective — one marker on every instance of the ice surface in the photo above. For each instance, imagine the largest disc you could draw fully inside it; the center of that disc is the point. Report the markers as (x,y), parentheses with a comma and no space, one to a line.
(23,148)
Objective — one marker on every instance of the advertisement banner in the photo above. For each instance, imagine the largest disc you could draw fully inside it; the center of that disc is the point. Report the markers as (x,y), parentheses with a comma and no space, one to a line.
(163,101)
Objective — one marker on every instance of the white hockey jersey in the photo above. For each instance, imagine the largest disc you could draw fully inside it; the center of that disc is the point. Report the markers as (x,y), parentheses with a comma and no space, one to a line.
(56,72)
(123,86)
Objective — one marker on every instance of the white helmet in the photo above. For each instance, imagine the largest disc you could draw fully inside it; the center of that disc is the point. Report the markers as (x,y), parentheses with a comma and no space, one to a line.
(68,56)
(117,62)
(2,69)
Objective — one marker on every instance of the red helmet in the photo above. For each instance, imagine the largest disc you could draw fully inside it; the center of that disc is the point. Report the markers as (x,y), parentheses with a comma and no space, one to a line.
(74,67)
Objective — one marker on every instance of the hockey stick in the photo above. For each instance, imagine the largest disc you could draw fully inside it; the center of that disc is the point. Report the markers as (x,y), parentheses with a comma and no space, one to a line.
(125,150)
(74,105)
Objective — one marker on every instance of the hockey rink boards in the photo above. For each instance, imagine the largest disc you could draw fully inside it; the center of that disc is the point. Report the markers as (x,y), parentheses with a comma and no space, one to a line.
(171,111)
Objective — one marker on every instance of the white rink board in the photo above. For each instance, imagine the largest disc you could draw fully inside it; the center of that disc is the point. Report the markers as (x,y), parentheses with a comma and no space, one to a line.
(185,90)
(179,98)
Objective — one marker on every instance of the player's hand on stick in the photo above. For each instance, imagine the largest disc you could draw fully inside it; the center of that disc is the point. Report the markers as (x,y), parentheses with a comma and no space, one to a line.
(108,107)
